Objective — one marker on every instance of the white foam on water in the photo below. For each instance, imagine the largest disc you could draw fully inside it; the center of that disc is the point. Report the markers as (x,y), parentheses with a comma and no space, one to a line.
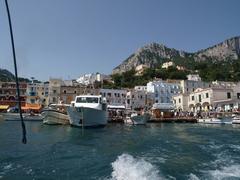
(232,171)
(193,177)
(126,167)
(7,167)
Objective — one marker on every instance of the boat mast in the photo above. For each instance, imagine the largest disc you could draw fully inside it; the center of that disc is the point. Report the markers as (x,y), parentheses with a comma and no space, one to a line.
(24,138)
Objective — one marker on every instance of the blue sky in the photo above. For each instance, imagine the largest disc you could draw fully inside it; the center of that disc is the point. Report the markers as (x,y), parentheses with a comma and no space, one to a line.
(67,38)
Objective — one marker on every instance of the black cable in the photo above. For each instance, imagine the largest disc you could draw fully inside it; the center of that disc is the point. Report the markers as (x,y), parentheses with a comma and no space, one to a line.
(24,138)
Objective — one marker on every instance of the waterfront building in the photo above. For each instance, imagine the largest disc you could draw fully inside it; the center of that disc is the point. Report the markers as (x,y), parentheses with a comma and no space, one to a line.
(8,93)
(114,96)
(161,92)
(215,98)
(136,98)
(181,102)
(189,86)
(69,92)
(37,93)
(54,90)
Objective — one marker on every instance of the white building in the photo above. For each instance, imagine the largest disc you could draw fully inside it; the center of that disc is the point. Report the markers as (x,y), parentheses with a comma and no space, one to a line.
(181,102)
(114,96)
(215,98)
(166,65)
(194,77)
(162,92)
(88,79)
(189,86)
(136,98)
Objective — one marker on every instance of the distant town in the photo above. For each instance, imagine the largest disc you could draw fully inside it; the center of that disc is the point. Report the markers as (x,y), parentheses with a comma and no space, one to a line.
(189,95)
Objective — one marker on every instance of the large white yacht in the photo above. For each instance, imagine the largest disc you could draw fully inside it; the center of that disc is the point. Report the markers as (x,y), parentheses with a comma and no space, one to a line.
(88,111)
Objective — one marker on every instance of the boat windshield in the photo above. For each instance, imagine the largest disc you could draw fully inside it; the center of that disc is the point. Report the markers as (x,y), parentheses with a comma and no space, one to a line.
(87,100)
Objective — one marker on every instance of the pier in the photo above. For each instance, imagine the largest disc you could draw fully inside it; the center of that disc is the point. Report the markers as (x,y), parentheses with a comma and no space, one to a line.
(173,120)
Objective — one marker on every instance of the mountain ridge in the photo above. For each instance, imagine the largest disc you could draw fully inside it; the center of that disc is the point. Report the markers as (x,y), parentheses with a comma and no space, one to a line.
(154,54)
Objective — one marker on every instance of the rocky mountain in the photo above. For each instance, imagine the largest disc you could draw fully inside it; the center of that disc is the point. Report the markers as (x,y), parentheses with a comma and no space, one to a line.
(229,49)
(6,75)
(154,54)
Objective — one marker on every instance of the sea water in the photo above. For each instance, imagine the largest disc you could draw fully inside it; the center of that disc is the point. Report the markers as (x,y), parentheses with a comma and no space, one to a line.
(120,152)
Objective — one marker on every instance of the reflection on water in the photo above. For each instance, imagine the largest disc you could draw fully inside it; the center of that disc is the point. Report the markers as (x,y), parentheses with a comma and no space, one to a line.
(154,151)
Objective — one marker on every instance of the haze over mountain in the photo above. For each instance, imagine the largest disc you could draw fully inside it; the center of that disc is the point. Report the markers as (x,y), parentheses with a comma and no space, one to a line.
(154,54)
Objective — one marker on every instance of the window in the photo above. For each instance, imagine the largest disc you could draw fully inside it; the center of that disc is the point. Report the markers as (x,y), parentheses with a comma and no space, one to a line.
(54,91)
(87,100)
(64,91)
(192,98)
(187,89)
(179,100)
(200,98)
(207,95)
(238,95)
(75,92)
(228,95)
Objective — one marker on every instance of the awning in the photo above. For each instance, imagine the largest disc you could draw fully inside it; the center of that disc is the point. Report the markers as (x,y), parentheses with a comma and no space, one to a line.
(116,107)
(4,107)
(163,106)
(31,106)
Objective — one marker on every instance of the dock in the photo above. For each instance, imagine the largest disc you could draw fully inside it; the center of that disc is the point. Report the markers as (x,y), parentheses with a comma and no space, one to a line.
(173,120)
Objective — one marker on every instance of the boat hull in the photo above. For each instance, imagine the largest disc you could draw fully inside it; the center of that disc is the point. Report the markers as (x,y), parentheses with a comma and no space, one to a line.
(236,120)
(210,121)
(53,117)
(140,119)
(87,117)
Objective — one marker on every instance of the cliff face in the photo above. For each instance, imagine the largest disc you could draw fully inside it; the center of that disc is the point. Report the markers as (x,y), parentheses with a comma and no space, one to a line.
(229,49)
(153,54)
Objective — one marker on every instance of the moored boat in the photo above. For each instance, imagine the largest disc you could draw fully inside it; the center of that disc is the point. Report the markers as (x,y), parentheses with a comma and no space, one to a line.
(210,120)
(88,111)
(236,119)
(137,118)
(55,114)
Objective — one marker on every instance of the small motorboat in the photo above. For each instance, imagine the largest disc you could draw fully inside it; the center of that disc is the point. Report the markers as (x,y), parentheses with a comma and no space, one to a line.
(210,120)
(137,118)
(236,119)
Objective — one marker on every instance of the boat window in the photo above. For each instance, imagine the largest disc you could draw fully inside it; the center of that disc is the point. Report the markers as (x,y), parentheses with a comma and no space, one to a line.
(87,100)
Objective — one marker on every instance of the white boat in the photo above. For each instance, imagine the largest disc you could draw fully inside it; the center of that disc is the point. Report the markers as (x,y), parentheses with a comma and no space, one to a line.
(88,111)
(210,121)
(55,114)
(236,119)
(137,118)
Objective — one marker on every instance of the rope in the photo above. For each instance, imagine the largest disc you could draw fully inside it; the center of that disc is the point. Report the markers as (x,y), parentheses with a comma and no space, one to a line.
(24,139)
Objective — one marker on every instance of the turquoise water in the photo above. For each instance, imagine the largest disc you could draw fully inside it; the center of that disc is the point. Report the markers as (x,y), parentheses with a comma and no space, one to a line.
(154,151)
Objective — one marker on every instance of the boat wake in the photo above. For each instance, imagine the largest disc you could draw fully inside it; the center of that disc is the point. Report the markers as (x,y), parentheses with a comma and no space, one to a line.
(128,167)
(232,171)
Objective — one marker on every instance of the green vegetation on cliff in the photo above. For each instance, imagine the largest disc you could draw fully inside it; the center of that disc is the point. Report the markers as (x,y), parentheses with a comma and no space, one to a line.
(210,70)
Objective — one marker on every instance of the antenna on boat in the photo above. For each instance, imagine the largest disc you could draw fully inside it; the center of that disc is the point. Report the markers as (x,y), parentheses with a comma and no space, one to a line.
(24,138)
